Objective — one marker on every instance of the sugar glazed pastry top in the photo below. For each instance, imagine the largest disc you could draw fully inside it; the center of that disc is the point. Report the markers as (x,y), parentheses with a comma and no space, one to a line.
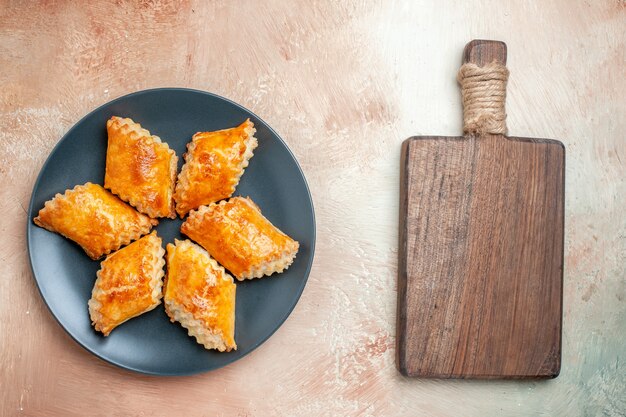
(240,238)
(94,218)
(140,168)
(214,163)
(200,295)
(129,284)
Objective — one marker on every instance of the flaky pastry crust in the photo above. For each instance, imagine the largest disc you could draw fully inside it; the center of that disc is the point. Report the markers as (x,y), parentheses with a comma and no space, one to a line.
(94,218)
(214,163)
(129,284)
(200,295)
(140,168)
(240,238)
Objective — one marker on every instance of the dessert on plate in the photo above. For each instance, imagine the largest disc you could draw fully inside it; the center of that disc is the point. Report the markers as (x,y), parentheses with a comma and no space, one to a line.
(200,295)
(140,168)
(129,284)
(214,163)
(231,232)
(240,238)
(94,218)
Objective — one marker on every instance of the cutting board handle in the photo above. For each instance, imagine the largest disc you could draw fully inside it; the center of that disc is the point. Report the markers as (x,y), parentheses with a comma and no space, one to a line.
(482,52)
(483,79)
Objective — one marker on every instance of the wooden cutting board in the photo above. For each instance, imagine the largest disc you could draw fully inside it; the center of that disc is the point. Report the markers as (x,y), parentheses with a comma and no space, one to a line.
(481,251)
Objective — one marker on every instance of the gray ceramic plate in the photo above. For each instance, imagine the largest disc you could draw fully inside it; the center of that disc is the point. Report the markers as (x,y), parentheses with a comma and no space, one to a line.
(150,343)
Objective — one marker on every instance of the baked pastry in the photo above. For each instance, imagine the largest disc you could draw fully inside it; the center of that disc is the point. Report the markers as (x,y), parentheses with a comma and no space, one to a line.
(200,295)
(140,169)
(237,235)
(129,284)
(214,163)
(94,218)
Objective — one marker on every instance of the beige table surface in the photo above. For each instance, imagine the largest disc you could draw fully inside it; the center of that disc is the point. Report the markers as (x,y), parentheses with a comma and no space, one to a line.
(343,82)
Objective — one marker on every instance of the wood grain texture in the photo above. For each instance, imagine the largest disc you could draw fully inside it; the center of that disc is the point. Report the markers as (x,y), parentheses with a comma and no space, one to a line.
(480,275)
(344,83)
(481,257)
(482,52)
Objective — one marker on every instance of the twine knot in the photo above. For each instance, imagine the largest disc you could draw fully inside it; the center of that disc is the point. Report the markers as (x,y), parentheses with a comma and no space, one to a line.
(484,94)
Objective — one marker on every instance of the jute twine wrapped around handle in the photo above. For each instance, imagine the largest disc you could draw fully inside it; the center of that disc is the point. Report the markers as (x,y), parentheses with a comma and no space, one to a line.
(484,95)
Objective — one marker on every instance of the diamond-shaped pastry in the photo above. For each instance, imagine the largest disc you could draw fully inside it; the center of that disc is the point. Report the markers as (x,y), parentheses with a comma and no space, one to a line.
(214,163)
(129,284)
(200,295)
(94,218)
(140,168)
(240,238)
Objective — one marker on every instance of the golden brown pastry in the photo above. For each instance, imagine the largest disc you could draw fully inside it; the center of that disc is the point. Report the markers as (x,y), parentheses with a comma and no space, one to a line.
(200,295)
(237,235)
(129,284)
(140,169)
(214,163)
(94,218)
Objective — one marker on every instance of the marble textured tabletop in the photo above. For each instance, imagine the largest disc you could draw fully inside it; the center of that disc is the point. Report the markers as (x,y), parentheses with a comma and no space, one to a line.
(344,83)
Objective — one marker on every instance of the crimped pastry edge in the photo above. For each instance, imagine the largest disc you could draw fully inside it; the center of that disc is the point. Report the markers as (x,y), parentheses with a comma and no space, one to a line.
(277,265)
(156,283)
(209,338)
(183,184)
(123,238)
(127,126)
